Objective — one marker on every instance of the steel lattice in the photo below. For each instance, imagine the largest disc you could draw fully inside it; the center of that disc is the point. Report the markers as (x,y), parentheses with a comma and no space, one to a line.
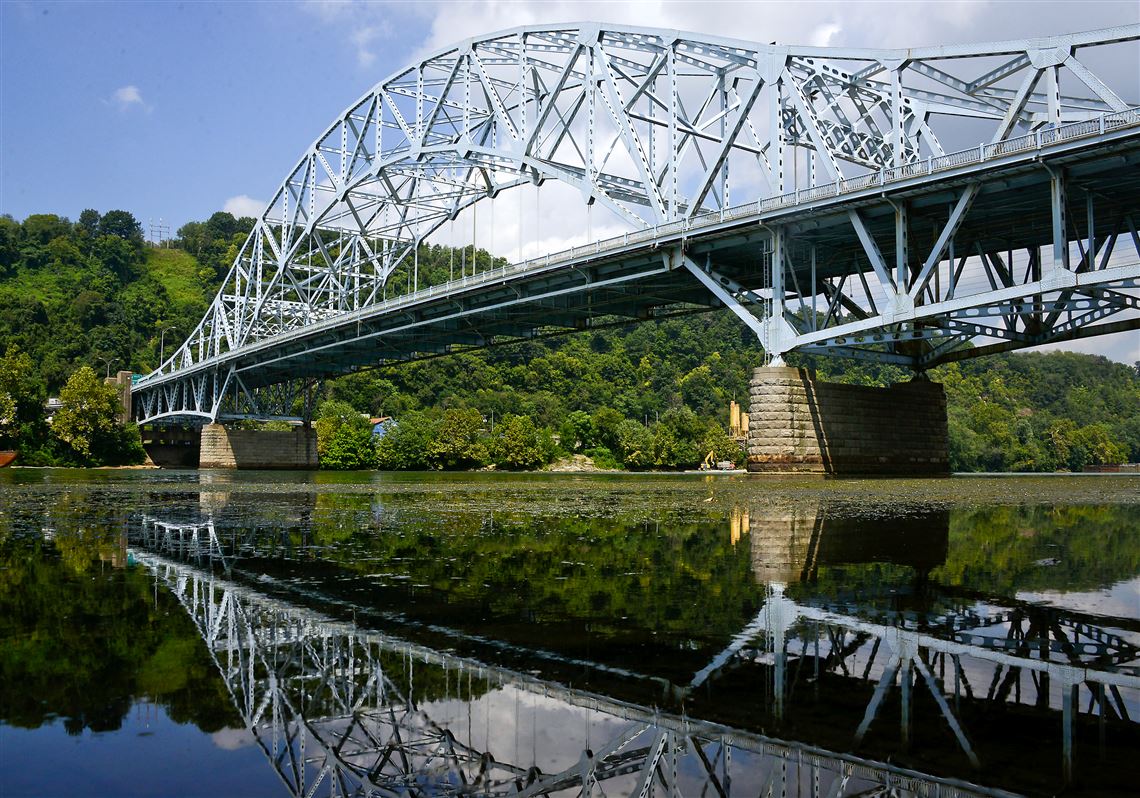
(651,125)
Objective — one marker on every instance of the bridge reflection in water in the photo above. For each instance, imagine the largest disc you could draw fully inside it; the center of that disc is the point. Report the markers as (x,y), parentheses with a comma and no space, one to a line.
(910,672)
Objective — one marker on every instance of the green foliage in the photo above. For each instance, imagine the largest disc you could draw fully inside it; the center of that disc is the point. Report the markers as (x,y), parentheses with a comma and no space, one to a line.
(406,445)
(635,444)
(87,423)
(677,439)
(214,243)
(1041,412)
(457,440)
(344,438)
(577,431)
(651,393)
(84,640)
(602,457)
(349,448)
(91,292)
(22,424)
(516,445)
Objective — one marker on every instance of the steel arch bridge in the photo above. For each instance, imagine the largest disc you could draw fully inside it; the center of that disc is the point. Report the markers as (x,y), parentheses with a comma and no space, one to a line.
(333,704)
(885,204)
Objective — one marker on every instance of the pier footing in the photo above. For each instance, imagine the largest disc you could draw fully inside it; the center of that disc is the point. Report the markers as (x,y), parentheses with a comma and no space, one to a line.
(798,424)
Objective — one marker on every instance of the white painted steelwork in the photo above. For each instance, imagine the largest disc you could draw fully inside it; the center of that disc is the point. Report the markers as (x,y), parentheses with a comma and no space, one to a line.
(831,151)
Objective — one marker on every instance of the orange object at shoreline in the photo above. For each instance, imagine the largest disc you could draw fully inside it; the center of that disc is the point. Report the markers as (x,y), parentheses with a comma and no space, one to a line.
(6,458)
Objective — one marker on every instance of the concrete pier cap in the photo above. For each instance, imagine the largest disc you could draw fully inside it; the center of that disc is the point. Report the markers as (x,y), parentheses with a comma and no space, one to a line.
(800,424)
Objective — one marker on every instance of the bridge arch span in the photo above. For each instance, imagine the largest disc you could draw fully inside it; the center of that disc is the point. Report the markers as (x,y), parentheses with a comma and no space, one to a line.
(660,127)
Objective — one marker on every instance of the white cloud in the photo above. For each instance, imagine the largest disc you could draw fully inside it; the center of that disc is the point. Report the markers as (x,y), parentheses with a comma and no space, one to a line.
(127,97)
(242,205)
(232,739)
(824,35)
(364,39)
(364,24)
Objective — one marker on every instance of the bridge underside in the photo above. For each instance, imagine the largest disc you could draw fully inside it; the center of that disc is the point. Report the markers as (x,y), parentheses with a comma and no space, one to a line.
(1041,246)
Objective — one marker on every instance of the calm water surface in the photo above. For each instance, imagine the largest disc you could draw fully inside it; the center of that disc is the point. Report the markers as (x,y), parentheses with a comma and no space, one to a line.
(258,634)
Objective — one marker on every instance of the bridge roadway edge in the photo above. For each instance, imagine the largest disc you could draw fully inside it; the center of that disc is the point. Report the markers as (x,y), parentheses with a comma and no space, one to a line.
(800,424)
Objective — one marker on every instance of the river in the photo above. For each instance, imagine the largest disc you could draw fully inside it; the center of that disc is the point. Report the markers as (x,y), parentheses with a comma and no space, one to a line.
(271,634)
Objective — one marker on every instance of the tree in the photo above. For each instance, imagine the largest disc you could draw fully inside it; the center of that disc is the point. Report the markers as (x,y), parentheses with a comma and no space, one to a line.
(9,245)
(677,438)
(405,446)
(457,441)
(350,448)
(122,224)
(222,224)
(88,420)
(40,228)
(701,392)
(120,255)
(605,423)
(344,438)
(88,224)
(7,417)
(635,445)
(22,400)
(577,431)
(516,444)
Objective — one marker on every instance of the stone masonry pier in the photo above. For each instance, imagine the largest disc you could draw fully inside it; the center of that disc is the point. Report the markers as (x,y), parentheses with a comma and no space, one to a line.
(233,448)
(798,424)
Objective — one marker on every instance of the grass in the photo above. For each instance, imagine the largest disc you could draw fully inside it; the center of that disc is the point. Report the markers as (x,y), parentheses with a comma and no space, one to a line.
(178,273)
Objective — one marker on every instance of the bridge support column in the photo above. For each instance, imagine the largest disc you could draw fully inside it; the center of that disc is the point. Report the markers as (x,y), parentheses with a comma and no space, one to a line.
(171,447)
(245,449)
(798,424)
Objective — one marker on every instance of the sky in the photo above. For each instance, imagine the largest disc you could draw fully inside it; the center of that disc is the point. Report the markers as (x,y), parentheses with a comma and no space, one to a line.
(174,110)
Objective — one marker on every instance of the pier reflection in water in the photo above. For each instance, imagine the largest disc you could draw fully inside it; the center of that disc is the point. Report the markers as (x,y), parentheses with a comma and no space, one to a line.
(353,679)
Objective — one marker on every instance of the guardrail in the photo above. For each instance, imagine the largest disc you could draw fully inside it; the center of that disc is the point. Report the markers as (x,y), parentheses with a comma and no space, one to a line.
(1105,123)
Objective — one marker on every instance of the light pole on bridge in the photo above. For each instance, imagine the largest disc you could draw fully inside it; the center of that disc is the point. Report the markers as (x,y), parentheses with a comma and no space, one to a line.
(107,361)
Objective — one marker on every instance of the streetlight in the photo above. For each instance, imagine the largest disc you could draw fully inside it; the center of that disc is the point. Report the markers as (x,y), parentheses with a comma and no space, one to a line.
(107,361)
(162,345)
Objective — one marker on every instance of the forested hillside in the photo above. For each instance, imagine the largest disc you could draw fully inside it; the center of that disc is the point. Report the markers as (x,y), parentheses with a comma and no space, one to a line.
(656,394)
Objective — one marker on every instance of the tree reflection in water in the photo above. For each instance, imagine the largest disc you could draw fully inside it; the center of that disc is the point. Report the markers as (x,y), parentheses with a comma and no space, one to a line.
(690,648)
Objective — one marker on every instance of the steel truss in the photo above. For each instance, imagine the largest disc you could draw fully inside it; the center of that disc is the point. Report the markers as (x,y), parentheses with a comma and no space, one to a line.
(650,125)
(222,393)
(334,706)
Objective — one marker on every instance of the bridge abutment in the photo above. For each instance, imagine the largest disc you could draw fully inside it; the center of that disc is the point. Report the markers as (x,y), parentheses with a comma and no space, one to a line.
(247,449)
(799,424)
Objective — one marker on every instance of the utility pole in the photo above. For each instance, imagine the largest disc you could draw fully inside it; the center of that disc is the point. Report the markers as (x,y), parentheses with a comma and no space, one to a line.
(160,232)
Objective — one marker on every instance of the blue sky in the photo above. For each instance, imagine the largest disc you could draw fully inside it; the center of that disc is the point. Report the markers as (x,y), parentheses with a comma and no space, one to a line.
(179,109)
(164,109)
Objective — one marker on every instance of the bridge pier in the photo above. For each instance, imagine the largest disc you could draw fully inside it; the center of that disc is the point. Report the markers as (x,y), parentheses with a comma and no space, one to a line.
(799,424)
(294,449)
(171,447)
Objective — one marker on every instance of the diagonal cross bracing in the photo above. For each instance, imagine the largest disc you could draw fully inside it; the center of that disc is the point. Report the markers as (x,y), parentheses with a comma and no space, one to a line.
(650,125)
